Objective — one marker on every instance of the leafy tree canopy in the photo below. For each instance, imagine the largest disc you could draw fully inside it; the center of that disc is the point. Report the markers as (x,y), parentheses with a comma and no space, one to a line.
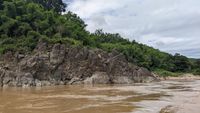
(57,5)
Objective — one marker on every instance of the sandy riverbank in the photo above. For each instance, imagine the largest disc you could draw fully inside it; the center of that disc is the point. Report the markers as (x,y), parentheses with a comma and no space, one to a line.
(186,76)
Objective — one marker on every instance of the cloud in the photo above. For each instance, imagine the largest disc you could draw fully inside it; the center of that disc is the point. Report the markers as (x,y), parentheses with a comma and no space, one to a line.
(169,25)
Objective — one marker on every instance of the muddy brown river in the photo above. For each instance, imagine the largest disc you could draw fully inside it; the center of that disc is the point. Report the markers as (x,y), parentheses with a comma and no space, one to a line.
(183,96)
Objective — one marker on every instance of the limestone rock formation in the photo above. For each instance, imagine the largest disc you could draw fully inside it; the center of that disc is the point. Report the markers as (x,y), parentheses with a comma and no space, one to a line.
(60,65)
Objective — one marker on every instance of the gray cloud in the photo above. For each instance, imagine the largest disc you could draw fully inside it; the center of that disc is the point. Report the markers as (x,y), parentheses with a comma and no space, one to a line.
(169,25)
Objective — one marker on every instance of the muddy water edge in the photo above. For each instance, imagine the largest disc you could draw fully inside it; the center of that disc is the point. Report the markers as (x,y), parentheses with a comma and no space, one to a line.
(172,96)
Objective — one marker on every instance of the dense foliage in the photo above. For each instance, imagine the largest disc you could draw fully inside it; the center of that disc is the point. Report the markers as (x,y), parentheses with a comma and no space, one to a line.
(57,5)
(24,22)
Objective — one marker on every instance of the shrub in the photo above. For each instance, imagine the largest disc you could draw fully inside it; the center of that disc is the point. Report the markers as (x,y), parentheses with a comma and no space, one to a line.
(164,73)
(196,72)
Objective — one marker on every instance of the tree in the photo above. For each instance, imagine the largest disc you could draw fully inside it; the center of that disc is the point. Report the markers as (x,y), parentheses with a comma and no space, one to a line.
(181,63)
(1,4)
(8,25)
(56,5)
(197,63)
(10,9)
(22,29)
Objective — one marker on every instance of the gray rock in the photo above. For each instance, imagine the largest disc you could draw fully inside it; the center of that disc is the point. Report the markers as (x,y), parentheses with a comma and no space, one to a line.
(98,78)
(123,80)
(26,80)
(59,65)
(57,54)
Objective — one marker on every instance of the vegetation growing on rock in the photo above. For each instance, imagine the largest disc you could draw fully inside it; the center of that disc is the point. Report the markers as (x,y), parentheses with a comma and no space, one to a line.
(24,22)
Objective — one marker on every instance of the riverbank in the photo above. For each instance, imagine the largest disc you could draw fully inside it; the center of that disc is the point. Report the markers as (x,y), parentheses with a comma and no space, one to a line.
(186,76)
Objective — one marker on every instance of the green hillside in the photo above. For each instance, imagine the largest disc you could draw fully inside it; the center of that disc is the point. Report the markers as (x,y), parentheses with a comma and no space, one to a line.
(24,22)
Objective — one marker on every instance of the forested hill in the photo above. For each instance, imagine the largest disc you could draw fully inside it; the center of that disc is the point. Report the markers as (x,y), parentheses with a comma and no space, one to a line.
(24,22)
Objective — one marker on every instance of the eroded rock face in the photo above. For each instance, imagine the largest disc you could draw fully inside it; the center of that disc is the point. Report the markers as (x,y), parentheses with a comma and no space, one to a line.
(61,65)
(98,78)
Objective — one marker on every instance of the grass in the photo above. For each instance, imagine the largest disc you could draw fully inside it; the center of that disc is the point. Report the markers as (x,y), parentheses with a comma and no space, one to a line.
(164,73)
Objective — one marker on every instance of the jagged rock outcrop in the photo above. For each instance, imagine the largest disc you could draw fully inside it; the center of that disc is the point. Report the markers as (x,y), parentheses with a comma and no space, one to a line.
(59,65)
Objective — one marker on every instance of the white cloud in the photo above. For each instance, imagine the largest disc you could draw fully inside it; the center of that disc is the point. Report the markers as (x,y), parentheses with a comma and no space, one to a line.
(169,25)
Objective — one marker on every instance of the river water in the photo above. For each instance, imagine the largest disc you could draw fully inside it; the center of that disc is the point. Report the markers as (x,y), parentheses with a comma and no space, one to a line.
(137,98)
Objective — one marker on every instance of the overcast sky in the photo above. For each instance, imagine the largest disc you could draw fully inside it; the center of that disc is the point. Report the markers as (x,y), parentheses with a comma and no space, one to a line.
(169,25)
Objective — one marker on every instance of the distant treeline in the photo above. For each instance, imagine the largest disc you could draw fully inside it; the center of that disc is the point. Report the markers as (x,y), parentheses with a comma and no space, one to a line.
(24,22)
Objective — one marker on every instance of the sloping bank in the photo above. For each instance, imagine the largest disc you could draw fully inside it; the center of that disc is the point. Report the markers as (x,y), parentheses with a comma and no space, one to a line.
(59,64)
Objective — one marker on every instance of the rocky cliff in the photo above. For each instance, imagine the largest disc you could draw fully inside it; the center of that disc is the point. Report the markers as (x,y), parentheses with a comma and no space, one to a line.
(59,64)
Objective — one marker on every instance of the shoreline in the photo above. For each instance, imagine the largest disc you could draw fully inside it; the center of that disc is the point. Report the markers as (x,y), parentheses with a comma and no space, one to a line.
(187,76)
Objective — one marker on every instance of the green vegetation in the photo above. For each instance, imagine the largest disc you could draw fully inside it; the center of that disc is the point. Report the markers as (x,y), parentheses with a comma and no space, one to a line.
(165,73)
(57,5)
(196,66)
(24,22)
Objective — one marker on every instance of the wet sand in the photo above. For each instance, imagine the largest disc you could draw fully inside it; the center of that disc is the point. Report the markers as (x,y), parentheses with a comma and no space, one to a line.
(176,96)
